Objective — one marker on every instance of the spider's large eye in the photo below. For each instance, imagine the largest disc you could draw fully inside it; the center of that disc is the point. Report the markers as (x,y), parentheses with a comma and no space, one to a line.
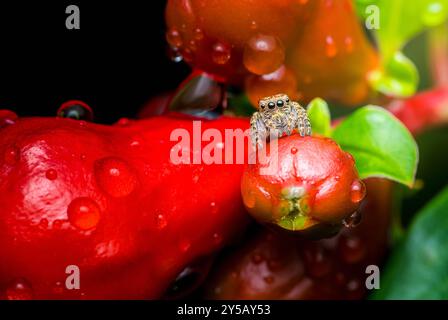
(280,103)
(271,105)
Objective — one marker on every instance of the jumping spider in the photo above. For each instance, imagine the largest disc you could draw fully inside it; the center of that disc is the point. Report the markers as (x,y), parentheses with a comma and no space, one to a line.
(276,116)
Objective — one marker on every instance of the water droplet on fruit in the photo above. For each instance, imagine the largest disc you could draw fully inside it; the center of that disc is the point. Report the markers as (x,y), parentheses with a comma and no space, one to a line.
(192,45)
(213,208)
(184,245)
(20,289)
(58,288)
(293,150)
(257,258)
(337,178)
(57,224)
(353,220)
(83,213)
(7,118)
(198,34)
(174,38)
(330,47)
(263,54)
(43,223)
(115,176)
(254,25)
(174,54)
(221,53)
(348,41)
(357,191)
(123,122)
(217,238)
(161,221)
(12,156)
(51,174)
(317,262)
(76,110)
(351,248)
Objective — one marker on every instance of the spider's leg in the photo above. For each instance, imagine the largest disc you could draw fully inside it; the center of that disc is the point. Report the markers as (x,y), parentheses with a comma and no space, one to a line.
(258,130)
(303,123)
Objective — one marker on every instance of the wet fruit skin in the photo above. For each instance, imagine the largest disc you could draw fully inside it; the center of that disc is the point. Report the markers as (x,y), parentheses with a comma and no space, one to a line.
(272,265)
(314,183)
(320,43)
(108,200)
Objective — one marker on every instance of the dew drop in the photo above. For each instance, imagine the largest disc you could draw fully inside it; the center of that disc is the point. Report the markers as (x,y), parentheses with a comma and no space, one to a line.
(198,34)
(83,213)
(75,109)
(353,220)
(217,239)
(337,178)
(43,223)
(12,156)
(115,176)
(348,41)
(184,245)
(357,191)
(192,45)
(123,122)
(20,289)
(7,118)
(161,222)
(254,25)
(57,224)
(213,208)
(263,54)
(317,262)
(257,258)
(351,249)
(51,174)
(175,55)
(221,53)
(174,38)
(330,47)
(293,150)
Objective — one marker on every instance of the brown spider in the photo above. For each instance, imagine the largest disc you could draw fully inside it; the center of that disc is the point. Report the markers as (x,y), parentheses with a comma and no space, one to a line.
(276,116)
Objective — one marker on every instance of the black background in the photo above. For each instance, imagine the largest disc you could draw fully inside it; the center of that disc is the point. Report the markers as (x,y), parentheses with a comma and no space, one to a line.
(115,62)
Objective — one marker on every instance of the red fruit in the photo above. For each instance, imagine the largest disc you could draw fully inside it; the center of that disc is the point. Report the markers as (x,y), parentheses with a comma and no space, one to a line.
(333,57)
(422,111)
(109,200)
(277,266)
(320,42)
(314,184)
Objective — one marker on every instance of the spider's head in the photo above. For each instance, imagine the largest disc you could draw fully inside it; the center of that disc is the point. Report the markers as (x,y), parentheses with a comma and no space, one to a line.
(273,104)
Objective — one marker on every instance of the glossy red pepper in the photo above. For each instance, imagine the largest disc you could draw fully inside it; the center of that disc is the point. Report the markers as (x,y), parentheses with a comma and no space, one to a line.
(108,200)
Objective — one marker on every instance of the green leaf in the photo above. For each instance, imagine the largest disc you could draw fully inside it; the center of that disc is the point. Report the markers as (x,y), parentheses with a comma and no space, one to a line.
(380,144)
(397,22)
(418,268)
(319,116)
(399,77)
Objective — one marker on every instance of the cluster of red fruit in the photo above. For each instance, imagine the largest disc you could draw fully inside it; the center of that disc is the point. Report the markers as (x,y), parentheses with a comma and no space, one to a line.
(108,200)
